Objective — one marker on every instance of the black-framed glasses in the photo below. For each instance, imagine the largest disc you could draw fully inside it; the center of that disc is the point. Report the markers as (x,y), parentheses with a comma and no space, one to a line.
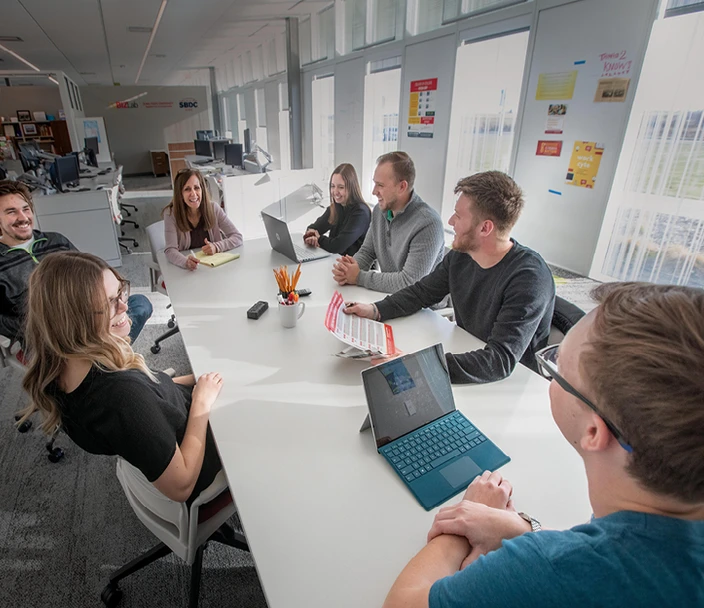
(123,295)
(547,363)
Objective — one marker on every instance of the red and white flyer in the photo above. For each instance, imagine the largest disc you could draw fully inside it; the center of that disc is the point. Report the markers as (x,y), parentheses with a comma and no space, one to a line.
(364,334)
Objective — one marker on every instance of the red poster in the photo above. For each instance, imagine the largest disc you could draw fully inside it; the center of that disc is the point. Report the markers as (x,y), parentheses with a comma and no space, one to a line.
(429,84)
(549,148)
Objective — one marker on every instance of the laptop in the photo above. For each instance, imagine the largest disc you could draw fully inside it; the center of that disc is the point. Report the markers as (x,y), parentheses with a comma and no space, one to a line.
(280,240)
(432,447)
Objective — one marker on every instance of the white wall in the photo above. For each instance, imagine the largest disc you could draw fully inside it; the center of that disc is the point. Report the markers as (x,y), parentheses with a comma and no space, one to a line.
(349,112)
(565,227)
(150,123)
(433,58)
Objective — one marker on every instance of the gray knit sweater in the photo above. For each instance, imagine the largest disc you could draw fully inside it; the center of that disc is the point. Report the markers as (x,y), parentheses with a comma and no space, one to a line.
(407,247)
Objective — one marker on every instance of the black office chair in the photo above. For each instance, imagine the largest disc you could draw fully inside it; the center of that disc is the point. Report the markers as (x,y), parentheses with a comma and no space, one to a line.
(564,318)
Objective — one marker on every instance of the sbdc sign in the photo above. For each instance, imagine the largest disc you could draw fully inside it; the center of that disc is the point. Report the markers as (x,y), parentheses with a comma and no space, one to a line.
(188,104)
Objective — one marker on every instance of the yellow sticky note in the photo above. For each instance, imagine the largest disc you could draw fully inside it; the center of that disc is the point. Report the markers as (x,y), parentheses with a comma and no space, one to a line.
(217,259)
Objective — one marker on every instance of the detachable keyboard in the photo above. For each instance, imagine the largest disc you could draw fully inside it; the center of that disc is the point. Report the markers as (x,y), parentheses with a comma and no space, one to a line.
(433,445)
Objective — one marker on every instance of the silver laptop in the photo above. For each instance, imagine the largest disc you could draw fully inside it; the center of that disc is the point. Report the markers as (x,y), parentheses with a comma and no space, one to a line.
(280,240)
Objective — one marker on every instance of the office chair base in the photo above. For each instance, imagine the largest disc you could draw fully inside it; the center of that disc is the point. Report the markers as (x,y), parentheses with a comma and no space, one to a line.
(25,426)
(112,594)
(156,347)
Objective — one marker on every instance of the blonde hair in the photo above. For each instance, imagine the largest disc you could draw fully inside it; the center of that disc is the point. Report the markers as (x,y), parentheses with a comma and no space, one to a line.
(68,317)
(178,208)
(354,192)
(643,362)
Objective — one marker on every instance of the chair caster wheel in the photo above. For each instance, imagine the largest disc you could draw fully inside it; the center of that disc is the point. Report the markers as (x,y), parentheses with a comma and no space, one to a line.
(136,226)
(170,324)
(155,349)
(55,455)
(25,426)
(136,244)
(111,595)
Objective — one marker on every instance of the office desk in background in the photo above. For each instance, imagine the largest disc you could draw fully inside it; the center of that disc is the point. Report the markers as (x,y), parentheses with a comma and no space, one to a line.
(329,523)
(84,218)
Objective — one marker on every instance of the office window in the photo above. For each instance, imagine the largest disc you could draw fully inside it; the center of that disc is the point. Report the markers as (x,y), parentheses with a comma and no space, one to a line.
(455,8)
(681,7)
(239,75)
(653,228)
(325,38)
(382,97)
(423,16)
(247,67)
(241,118)
(281,53)
(304,41)
(270,54)
(488,76)
(383,21)
(369,22)
(324,123)
(261,107)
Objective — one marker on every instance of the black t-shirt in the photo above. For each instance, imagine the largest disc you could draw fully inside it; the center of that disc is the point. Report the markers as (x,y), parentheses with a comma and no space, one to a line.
(198,234)
(127,414)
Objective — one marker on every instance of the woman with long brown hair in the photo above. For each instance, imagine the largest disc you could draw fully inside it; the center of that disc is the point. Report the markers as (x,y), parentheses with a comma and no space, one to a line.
(346,219)
(192,220)
(84,376)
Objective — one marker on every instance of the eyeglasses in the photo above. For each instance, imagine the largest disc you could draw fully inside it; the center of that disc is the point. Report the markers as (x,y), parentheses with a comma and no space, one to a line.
(547,363)
(122,296)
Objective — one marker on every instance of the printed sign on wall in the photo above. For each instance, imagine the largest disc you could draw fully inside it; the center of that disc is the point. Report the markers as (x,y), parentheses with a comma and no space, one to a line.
(584,164)
(421,108)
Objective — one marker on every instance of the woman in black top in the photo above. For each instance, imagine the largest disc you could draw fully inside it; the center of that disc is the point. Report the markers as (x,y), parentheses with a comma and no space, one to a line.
(84,375)
(347,218)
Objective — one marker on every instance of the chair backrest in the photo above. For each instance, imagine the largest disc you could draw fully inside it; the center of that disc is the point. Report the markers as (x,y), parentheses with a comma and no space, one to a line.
(172,522)
(157,242)
(565,316)
(114,196)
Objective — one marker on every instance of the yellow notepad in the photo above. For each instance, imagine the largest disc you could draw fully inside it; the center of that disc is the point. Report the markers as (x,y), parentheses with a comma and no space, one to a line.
(217,259)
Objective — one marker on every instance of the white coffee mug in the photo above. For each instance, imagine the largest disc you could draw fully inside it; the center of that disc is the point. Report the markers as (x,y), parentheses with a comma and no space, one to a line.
(290,313)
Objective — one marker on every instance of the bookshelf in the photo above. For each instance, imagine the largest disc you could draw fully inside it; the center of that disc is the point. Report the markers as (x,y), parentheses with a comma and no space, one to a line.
(52,135)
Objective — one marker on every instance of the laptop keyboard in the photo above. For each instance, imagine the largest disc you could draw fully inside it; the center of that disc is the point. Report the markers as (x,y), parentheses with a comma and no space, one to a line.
(432,446)
(303,254)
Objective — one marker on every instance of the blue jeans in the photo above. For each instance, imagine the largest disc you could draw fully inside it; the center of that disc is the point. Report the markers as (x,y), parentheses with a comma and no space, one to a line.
(139,309)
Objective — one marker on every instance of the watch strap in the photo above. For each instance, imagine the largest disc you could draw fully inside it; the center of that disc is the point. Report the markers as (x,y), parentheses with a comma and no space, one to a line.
(534,523)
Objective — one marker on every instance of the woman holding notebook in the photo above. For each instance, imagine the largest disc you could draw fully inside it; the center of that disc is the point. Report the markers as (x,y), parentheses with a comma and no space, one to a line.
(193,221)
(346,219)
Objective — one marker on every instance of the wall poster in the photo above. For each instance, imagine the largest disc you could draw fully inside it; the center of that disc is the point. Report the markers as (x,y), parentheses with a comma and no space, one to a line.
(584,164)
(421,108)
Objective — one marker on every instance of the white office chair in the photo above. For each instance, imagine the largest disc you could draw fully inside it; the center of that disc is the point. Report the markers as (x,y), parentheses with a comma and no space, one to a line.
(155,234)
(183,531)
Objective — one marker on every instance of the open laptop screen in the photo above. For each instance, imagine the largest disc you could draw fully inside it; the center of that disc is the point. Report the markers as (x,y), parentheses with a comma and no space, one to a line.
(407,393)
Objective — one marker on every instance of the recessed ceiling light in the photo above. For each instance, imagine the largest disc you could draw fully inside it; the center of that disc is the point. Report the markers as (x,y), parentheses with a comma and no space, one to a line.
(139,29)
(159,55)
(10,39)
(87,73)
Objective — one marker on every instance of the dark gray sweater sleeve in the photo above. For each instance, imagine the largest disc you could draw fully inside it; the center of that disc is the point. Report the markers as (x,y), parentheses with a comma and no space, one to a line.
(525,301)
(430,290)
(10,327)
(322,224)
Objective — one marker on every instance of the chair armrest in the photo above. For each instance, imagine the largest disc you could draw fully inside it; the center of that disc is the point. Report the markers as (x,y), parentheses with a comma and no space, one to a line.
(218,486)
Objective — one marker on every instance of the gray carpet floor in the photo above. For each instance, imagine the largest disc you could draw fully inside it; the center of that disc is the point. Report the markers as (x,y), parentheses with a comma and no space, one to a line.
(65,527)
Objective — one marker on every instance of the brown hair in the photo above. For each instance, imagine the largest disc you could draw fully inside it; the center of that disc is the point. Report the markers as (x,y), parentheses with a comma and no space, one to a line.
(68,317)
(8,187)
(495,196)
(178,208)
(644,364)
(403,166)
(354,192)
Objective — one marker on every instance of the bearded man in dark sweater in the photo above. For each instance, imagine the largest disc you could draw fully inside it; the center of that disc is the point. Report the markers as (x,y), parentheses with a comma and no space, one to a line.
(502,292)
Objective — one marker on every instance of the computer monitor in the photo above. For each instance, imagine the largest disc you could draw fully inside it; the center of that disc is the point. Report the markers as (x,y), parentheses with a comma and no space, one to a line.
(247,141)
(202,147)
(67,170)
(91,143)
(219,148)
(233,155)
(204,134)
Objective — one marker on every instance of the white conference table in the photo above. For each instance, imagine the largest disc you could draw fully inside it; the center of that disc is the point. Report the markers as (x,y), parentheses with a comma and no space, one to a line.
(328,521)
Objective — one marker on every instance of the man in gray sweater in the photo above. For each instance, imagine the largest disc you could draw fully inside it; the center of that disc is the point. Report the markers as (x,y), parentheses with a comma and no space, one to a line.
(405,237)
(502,292)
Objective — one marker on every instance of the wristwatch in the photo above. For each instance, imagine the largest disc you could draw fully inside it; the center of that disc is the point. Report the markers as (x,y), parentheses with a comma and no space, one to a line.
(534,523)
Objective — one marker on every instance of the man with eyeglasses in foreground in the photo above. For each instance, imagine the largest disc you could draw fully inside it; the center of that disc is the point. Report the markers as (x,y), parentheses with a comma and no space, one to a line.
(22,248)
(628,393)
